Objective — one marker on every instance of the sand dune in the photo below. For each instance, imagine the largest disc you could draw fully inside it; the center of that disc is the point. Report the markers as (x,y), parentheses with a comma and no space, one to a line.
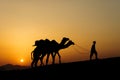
(93,70)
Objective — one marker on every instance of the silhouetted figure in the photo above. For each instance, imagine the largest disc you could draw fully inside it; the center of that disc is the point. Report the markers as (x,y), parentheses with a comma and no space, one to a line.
(93,51)
(47,47)
(37,52)
(58,48)
(53,49)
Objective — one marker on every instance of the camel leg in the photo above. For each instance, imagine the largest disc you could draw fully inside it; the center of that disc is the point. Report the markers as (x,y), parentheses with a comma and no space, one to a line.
(47,58)
(53,57)
(36,61)
(59,57)
(32,63)
(41,60)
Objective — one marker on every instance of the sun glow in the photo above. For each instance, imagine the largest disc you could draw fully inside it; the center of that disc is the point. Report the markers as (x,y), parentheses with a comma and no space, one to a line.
(21,60)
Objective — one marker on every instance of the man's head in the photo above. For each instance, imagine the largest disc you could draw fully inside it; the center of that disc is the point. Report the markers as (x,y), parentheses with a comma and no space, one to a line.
(94,42)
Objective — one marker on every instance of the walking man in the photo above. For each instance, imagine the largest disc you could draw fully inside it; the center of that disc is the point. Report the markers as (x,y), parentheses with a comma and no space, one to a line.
(93,51)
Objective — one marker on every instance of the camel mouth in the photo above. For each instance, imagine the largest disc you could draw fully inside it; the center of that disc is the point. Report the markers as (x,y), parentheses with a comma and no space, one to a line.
(73,43)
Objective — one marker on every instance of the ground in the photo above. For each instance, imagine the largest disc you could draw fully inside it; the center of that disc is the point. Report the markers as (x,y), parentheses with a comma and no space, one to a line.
(108,68)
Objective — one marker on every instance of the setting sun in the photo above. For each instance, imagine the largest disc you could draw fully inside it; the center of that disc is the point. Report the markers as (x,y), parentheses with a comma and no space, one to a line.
(21,60)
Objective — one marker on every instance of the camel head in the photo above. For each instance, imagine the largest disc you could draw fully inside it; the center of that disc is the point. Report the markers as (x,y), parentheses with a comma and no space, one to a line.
(64,40)
(71,42)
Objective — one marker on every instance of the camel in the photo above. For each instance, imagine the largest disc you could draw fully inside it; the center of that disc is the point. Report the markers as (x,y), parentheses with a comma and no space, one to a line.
(44,47)
(54,49)
(36,53)
(58,48)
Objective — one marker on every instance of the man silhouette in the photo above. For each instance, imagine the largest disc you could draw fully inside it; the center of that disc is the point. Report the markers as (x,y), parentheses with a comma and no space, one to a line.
(93,51)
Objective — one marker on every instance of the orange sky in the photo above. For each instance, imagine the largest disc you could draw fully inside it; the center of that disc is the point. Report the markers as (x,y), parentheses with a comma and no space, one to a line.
(24,21)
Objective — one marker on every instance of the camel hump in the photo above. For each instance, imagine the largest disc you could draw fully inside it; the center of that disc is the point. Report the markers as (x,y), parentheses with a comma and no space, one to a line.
(54,42)
(39,42)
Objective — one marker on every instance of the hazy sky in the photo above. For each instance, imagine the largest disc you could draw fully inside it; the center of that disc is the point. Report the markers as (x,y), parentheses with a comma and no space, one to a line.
(24,21)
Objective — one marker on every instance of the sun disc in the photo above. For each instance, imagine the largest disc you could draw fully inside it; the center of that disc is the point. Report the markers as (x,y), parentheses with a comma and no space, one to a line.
(21,60)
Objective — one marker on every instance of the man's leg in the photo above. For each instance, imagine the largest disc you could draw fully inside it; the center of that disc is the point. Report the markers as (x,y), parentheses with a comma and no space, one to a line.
(91,54)
(96,56)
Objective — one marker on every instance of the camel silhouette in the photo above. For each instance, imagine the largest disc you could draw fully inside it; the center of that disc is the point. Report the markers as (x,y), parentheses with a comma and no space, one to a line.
(54,49)
(43,47)
(50,47)
(47,47)
(59,47)
(37,52)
